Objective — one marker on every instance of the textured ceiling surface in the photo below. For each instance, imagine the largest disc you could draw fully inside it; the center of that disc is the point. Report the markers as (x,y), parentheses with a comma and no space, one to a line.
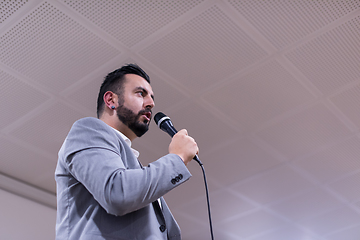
(270,90)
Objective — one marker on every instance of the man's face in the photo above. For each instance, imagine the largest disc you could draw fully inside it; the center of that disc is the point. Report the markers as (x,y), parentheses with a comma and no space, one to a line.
(135,104)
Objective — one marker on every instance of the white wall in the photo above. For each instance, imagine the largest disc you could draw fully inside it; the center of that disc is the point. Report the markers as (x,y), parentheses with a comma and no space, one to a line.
(24,219)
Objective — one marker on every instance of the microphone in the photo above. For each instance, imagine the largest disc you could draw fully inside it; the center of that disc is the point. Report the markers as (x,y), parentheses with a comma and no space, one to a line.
(165,124)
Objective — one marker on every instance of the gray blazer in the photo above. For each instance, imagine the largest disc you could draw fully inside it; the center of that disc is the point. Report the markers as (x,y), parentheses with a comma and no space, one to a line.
(103,192)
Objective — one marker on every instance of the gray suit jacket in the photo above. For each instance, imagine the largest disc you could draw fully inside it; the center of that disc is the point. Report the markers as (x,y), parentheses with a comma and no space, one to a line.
(103,192)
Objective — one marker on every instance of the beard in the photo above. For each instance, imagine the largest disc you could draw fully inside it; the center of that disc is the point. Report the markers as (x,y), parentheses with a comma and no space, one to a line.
(131,119)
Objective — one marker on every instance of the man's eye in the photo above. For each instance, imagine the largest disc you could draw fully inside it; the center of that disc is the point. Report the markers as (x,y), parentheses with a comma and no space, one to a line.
(140,93)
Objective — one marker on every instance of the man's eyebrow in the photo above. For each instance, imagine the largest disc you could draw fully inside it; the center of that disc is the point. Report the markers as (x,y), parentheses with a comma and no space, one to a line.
(144,90)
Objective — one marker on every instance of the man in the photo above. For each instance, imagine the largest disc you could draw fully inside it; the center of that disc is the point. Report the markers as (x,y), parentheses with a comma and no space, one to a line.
(103,192)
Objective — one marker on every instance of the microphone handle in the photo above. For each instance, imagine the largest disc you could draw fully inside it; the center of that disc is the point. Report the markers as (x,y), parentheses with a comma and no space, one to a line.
(196,158)
(172,131)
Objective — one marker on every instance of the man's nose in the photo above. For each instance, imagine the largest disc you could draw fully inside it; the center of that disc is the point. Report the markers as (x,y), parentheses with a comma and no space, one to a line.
(149,102)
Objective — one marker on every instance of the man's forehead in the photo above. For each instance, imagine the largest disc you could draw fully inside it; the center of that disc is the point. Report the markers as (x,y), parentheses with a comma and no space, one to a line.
(134,81)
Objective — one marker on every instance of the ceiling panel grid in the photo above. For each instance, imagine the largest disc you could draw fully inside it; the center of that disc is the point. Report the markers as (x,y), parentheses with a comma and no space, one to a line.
(47,32)
(270,90)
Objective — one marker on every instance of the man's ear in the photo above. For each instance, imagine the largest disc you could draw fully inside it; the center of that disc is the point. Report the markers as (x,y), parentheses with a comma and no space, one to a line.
(111,100)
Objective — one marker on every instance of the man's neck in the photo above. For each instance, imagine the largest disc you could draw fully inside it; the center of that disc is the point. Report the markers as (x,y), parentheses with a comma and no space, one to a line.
(114,122)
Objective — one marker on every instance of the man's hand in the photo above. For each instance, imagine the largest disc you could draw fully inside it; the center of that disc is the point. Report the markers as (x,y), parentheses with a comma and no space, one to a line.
(184,146)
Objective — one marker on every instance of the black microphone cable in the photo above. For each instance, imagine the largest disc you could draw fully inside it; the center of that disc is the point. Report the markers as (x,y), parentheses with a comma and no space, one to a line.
(165,124)
(207,195)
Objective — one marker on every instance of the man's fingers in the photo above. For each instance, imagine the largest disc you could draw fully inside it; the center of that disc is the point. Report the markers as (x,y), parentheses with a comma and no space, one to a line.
(183,131)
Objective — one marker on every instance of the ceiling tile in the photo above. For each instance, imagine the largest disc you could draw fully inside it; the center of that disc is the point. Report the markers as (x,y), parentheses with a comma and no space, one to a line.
(24,164)
(86,94)
(8,8)
(287,232)
(204,234)
(284,22)
(46,180)
(236,161)
(348,103)
(48,130)
(64,50)
(329,61)
(348,187)
(27,98)
(307,205)
(252,224)
(217,46)
(192,227)
(351,232)
(332,221)
(259,96)
(270,186)
(304,132)
(333,162)
(224,205)
(131,21)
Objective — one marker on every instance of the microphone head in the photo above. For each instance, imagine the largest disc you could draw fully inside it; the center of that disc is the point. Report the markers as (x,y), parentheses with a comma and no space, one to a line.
(164,123)
(161,118)
(158,116)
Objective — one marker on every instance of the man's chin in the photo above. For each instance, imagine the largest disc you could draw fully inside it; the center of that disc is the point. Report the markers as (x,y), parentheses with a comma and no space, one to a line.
(140,129)
(140,134)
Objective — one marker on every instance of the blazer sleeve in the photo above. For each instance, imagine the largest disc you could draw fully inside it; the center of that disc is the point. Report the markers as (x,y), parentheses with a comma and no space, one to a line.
(94,156)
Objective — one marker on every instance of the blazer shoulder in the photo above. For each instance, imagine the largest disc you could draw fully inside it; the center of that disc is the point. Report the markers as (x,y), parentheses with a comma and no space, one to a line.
(90,121)
(91,132)
(91,124)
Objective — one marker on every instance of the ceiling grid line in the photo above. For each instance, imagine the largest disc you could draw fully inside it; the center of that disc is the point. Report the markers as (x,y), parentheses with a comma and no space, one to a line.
(270,91)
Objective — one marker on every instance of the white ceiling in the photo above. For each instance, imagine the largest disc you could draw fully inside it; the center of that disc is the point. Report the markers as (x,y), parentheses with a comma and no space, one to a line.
(269,89)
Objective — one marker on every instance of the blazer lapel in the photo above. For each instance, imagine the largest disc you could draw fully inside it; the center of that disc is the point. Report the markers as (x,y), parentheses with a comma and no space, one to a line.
(171,225)
(159,213)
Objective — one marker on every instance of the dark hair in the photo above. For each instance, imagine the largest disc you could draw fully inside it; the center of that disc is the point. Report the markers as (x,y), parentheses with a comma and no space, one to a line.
(114,82)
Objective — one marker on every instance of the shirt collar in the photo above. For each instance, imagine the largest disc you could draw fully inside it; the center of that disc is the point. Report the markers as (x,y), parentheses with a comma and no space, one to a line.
(128,142)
